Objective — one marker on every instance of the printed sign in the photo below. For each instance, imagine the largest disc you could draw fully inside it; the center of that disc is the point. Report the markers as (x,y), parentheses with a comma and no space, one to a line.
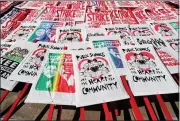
(95,79)
(162,29)
(38,5)
(70,35)
(56,84)
(22,32)
(45,32)
(11,60)
(140,30)
(164,51)
(120,30)
(79,46)
(112,47)
(30,69)
(146,72)
(173,42)
(95,18)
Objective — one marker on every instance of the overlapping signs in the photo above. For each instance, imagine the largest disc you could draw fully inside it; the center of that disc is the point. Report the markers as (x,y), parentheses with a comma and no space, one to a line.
(167,55)
(95,79)
(146,72)
(56,84)
(11,60)
(31,67)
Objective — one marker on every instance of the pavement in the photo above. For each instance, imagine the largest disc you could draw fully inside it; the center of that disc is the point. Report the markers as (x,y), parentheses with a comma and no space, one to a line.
(40,111)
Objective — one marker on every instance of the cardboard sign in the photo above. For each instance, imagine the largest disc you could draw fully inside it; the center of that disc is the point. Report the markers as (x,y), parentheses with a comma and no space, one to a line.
(112,47)
(11,60)
(56,84)
(95,79)
(30,69)
(165,52)
(70,35)
(162,29)
(44,32)
(146,72)
(95,32)
(121,30)
(140,30)
(22,32)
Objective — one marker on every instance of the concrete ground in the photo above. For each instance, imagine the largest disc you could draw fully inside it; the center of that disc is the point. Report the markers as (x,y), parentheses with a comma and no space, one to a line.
(40,111)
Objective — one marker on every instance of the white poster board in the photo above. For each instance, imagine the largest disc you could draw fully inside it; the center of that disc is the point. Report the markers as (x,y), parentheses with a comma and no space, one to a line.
(96,81)
(147,74)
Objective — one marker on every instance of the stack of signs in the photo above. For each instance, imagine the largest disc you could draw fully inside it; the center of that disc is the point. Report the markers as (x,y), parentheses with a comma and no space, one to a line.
(22,32)
(173,42)
(111,43)
(121,30)
(44,32)
(162,29)
(67,35)
(31,67)
(146,73)
(5,46)
(165,52)
(95,78)
(140,30)
(56,84)
(11,60)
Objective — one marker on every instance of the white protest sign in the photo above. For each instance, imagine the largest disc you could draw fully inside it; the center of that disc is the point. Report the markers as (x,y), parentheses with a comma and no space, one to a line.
(147,74)
(95,79)
(165,52)
(12,60)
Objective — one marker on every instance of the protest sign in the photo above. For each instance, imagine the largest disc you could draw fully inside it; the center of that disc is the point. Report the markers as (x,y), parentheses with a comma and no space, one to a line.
(11,60)
(121,30)
(95,78)
(173,42)
(146,72)
(165,52)
(162,29)
(140,30)
(56,84)
(95,32)
(70,34)
(111,43)
(30,68)
(22,32)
